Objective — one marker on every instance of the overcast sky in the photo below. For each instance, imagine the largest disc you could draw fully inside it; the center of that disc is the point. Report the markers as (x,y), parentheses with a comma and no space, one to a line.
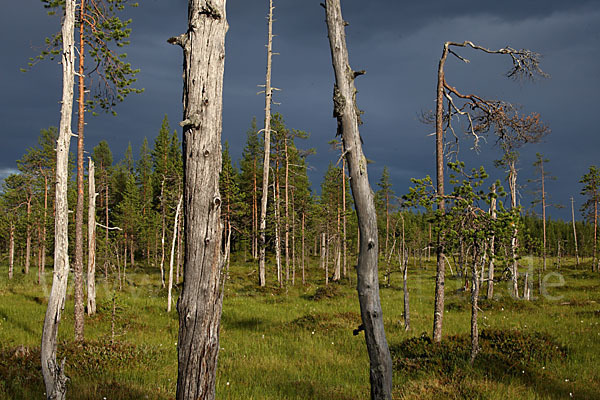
(398,43)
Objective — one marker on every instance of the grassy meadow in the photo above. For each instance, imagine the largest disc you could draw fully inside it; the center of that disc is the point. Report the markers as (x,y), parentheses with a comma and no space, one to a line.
(297,342)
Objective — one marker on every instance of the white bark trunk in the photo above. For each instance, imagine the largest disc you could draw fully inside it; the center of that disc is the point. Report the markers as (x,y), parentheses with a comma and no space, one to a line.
(91,271)
(53,372)
(266,161)
(175,225)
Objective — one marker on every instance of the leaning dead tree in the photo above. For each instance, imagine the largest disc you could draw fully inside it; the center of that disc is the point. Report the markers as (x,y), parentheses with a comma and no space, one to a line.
(480,115)
(201,300)
(266,162)
(347,114)
(53,372)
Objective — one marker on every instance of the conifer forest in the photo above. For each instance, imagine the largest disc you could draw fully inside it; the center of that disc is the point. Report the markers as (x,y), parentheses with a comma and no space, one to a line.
(267,254)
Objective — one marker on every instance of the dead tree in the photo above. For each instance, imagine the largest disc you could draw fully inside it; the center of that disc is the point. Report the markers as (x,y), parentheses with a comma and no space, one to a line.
(266,161)
(53,372)
(201,300)
(490,287)
(91,271)
(481,115)
(347,114)
(175,233)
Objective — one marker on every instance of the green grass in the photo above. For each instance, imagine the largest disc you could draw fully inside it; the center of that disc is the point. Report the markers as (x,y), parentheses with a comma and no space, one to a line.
(297,342)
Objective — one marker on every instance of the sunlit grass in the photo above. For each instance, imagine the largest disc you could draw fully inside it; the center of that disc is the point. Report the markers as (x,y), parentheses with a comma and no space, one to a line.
(283,344)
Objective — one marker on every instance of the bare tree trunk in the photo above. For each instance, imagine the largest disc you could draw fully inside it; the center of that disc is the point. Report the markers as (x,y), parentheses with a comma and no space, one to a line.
(438,312)
(512,182)
(344,241)
(53,372)
(163,234)
(107,224)
(293,241)
(201,299)
(254,215)
(345,110)
(543,214)
(277,238)
(175,225)
(287,212)
(28,238)
(474,307)
(91,271)
(404,263)
(574,231)
(595,232)
(267,143)
(78,262)
(179,241)
(303,247)
(11,250)
(490,287)
(323,250)
(42,259)
(338,250)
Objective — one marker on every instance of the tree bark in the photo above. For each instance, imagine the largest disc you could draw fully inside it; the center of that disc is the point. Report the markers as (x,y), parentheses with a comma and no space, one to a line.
(345,110)
(91,271)
(78,262)
(53,372)
(490,287)
(200,302)
(440,277)
(266,161)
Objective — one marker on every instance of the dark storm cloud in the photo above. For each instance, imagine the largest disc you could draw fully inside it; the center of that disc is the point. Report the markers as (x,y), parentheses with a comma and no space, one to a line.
(398,43)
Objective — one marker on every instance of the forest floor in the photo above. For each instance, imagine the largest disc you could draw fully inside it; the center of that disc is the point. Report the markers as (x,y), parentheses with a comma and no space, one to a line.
(297,342)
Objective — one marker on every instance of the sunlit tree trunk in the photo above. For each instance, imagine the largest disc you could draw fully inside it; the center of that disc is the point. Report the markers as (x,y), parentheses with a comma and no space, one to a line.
(200,302)
(11,250)
(91,271)
(175,233)
(512,183)
(490,287)
(53,372)
(345,110)
(78,261)
(438,312)
(267,143)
